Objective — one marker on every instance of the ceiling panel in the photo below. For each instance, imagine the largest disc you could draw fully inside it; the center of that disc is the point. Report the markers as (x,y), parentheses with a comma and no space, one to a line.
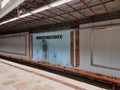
(69,14)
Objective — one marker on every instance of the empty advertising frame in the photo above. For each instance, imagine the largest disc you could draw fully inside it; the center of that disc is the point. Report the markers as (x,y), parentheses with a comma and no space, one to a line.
(14,45)
(105,48)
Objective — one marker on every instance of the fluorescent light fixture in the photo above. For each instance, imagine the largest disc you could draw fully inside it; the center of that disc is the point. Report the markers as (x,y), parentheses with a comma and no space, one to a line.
(40,9)
(16,18)
(54,4)
(4,2)
(60,2)
(13,19)
(25,15)
(10,20)
(4,22)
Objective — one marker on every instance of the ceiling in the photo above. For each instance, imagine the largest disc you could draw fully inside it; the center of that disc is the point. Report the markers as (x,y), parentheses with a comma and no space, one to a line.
(68,15)
(8,5)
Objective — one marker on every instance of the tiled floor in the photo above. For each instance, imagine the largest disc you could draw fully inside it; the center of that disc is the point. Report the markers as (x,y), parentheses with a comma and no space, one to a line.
(19,77)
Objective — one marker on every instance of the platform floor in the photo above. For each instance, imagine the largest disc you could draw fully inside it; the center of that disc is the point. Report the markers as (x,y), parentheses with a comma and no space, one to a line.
(19,77)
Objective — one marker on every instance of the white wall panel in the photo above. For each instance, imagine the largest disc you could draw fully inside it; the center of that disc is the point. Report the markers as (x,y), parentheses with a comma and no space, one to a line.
(15,45)
(85,49)
(85,54)
(106,48)
(101,48)
(104,58)
(115,41)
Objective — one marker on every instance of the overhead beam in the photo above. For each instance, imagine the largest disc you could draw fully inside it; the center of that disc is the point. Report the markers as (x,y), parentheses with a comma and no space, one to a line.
(89,7)
(105,7)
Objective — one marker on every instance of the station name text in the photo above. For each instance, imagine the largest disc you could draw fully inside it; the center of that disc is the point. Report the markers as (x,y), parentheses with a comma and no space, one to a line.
(50,37)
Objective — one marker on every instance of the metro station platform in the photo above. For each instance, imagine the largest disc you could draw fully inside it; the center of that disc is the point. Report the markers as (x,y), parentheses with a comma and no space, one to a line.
(14,76)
